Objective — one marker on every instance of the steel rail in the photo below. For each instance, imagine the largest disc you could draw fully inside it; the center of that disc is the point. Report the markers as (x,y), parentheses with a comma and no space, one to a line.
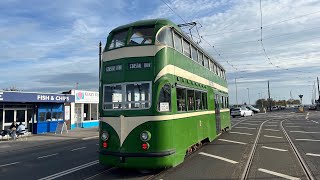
(249,162)
(303,164)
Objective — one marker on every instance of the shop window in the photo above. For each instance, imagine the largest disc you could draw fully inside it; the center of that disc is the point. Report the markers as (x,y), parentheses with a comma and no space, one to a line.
(198,100)
(42,116)
(190,97)
(9,116)
(181,99)
(48,116)
(164,103)
(86,111)
(1,118)
(29,115)
(94,111)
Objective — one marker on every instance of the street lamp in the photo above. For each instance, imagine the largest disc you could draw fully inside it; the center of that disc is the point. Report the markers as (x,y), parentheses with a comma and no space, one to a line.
(235,81)
(248,96)
(300,96)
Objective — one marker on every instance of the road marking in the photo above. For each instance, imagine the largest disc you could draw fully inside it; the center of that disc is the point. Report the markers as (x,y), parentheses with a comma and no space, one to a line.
(97,144)
(219,157)
(250,124)
(271,125)
(92,177)
(271,129)
(293,126)
(78,148)
(311,154)
(9,164)
(307,139)
(54,176)
(304,132)
(92,137)
(47,156)
(278,174)
(314,121)
(276,149)
(273,136)
(237,142)
(272,122)
(241,133)
(245,128)
(307,116)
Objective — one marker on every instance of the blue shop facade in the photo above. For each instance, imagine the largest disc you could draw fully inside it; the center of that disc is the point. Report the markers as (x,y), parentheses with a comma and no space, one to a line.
(39,112)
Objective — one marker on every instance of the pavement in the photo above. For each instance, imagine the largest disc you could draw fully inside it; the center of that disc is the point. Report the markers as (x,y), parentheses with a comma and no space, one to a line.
(35,140)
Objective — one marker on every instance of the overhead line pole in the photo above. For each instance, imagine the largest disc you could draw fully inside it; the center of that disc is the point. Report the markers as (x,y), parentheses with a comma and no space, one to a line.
(269,96)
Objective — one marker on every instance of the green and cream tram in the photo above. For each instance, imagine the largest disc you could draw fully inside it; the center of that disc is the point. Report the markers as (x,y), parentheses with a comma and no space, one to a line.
(161,96)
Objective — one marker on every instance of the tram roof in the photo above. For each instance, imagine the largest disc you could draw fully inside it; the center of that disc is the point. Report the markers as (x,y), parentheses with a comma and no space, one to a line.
(149,22)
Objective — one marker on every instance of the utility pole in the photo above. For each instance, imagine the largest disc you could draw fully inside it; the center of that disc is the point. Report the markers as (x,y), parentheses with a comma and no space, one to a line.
(318,90)
(248,96)
(235,81)
(269,96)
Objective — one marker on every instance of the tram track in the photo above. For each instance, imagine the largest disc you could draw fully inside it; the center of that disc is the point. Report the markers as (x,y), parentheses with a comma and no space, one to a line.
(304,166)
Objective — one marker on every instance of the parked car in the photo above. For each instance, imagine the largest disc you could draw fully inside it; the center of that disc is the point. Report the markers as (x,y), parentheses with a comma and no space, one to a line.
(274,108)
(243,111)
(312,107)
(255,110)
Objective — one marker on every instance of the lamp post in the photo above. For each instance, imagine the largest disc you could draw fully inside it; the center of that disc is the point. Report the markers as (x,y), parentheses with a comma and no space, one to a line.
(235,81)
(248,96)
(300,96)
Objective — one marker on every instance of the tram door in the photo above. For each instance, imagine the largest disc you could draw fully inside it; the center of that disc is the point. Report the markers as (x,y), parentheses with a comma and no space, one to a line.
(217,112)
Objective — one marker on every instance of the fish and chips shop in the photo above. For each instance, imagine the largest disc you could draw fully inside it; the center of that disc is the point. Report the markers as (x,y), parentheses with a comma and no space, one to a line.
(39,112)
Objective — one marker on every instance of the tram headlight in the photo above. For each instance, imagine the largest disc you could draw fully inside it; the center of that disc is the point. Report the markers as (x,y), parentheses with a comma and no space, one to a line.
(145,136)
(104,136)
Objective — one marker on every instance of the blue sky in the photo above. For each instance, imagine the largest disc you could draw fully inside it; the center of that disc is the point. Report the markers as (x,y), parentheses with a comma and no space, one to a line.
(48,46)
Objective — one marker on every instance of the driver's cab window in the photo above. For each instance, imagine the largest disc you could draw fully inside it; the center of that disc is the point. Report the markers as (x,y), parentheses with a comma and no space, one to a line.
(164,103)
(141,35)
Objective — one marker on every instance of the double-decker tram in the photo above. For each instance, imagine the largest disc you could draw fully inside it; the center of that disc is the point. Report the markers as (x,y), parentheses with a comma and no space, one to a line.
(161,96)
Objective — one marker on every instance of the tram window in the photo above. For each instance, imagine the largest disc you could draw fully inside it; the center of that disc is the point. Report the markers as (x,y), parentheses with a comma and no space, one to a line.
(119,39)
(222,102)
(190,97)
(204,100)
(206,62)
(177,42)
(138,95)
(186,48)
(141,35)
(165,36)
(214,68)
(211,65)
(198,100)
(227,100)
(217,70)
(194,53)
(201,59)
(113,93)
(164,103)
(181,99)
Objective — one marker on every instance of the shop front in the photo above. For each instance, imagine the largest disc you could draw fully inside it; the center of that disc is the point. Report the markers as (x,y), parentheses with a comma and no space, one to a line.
(85,111)
(39,112)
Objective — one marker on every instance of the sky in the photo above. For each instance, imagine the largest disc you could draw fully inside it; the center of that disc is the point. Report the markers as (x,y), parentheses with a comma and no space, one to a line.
(49,46)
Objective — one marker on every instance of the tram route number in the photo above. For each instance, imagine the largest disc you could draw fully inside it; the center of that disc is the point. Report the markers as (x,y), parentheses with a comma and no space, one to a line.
(139,65)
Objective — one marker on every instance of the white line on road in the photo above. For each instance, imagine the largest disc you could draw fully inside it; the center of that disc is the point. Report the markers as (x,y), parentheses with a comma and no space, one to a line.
(245,128)
(78,148)
(276,149)
(92,137)
(293,126)
(250,124)
(241,133)
(237,142)
(307,139)
(271,125)
(47,156)
(314,121)
(311,154)
(273,136)
(54,176)
(272,122)
(278,174)
(271,129)
(92,177)
(9,164)
(219,157)
(304,132)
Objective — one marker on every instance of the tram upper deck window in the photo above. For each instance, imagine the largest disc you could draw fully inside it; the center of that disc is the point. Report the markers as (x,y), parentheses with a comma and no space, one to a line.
(118,39)
(165,37)
(177,42)
(141,35)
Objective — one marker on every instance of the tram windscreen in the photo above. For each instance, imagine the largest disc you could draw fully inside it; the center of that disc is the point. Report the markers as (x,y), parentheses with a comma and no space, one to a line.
(119,39)
(141,35)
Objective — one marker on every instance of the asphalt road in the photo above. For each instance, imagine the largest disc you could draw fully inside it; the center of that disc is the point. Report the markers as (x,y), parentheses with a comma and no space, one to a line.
(224,158)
